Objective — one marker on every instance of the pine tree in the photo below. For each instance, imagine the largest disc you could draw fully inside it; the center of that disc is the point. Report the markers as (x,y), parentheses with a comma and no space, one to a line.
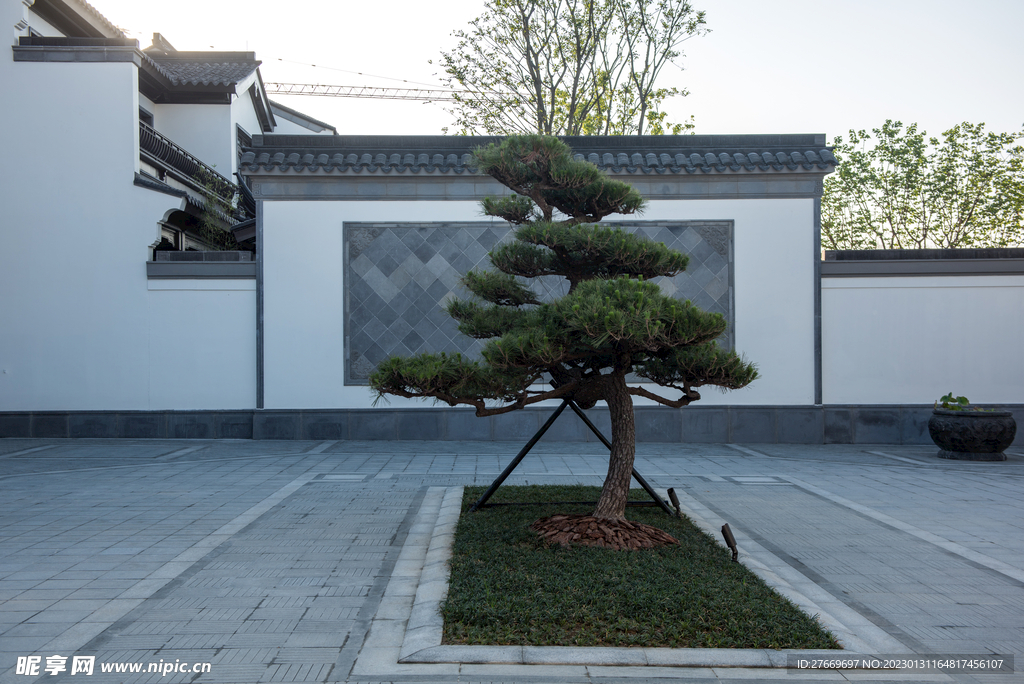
(612,322)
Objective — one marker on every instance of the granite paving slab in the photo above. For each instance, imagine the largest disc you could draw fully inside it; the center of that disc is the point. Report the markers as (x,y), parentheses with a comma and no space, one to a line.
(283,561)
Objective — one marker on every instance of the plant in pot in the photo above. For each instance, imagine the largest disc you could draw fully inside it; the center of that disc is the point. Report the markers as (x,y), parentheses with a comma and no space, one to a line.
(970,433)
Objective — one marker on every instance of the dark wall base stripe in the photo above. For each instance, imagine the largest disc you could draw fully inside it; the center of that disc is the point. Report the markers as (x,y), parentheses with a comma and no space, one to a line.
(833,424)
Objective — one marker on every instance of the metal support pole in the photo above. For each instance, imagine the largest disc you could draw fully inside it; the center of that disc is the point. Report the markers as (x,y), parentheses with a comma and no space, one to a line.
(650,490)
(640,480)
(593,428)
(519,457)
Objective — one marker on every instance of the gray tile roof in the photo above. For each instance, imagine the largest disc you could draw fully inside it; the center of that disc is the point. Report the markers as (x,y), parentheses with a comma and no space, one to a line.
(621,154)
(106,22)
(205,68)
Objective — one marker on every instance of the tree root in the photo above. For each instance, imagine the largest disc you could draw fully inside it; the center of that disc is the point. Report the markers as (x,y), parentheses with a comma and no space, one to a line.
(586,530)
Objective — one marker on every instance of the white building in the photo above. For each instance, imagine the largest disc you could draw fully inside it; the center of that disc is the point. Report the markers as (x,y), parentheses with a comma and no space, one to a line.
(117,148)
(115,321)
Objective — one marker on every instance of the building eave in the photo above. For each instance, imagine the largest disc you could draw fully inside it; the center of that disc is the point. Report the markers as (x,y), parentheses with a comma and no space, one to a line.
(618,155)
(260,102)
(76,18)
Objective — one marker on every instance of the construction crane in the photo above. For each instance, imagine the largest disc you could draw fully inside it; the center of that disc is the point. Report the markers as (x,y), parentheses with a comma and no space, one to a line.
(322,90)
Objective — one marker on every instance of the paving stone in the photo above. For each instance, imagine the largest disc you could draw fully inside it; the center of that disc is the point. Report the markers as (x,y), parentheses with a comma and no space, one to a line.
(306,640)
(315,561)
(24,645)
(33,629)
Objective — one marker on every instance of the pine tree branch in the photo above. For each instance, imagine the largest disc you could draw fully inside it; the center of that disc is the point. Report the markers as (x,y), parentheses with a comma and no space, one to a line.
(687,397)
(499,288)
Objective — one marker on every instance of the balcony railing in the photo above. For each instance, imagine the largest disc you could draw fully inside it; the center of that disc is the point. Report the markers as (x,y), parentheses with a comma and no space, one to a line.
(204,178)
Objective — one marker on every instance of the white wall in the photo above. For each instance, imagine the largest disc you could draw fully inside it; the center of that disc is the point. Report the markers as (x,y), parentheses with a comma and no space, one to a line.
(204,130)
(893,340)
(208,130)
(303,305)
(148,105)
(774,280)
(202,344)
(242,114)
(303,294)
(75,308)
(41,26)
(284,126)
(69,334)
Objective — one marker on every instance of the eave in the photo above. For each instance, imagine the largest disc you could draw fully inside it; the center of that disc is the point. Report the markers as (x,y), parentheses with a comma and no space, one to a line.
(86,22)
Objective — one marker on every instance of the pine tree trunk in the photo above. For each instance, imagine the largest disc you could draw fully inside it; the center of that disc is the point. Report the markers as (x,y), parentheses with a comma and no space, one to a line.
(612,504)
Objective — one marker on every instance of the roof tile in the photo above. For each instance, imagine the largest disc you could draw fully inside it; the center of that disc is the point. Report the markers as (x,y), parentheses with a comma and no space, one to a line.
(634,155)
(206,69)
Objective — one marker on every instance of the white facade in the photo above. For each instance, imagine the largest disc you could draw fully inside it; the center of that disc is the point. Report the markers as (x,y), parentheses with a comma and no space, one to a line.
(202,351)
(75,335)
(912,339)
(88,325)
(207,130)
(774,303)
(84,328)
(304,294)
(202,130)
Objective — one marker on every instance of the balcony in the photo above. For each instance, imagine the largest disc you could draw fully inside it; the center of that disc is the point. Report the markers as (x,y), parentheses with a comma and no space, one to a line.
(163,153)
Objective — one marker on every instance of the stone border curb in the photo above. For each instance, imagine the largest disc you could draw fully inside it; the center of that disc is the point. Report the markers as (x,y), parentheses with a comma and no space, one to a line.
(382,647)
(421,642)
(425,626)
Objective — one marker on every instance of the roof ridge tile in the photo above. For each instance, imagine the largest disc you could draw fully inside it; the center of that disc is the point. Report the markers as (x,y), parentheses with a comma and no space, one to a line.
(316,155)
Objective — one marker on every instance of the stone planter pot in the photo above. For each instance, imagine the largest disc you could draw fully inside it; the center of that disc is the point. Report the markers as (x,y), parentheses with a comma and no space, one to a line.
(972,435)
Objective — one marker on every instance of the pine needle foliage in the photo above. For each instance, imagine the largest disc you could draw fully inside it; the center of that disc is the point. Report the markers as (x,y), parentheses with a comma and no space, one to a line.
(543,169)
(612,322)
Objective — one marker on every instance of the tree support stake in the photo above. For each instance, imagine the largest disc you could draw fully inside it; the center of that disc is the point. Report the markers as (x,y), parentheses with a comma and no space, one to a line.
(540,433)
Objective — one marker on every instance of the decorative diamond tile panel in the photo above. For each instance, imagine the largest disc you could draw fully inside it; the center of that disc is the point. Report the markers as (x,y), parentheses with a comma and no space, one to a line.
(398,277)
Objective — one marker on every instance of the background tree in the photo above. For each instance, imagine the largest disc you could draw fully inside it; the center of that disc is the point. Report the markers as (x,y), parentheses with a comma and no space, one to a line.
(901,190)
(568,67)
(612,322)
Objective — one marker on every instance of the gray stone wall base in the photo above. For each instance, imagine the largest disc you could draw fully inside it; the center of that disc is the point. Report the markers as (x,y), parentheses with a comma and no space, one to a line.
(128,424)
(831,424)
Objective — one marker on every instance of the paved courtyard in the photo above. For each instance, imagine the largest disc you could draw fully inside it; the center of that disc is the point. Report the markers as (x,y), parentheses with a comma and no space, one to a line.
(297,561)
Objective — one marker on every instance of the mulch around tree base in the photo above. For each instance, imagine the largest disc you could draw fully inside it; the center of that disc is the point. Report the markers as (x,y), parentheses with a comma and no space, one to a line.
(586,530)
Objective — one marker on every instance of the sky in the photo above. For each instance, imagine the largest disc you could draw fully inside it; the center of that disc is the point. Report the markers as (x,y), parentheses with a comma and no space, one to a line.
(786,66)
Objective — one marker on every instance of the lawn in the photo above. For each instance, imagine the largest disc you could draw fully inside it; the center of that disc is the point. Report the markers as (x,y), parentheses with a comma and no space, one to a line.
(507,587)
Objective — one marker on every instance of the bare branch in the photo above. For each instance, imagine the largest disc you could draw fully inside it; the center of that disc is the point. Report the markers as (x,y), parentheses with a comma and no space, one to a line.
(685,399)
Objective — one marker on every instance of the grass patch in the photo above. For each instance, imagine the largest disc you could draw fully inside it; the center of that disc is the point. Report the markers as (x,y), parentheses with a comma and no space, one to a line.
(508,588)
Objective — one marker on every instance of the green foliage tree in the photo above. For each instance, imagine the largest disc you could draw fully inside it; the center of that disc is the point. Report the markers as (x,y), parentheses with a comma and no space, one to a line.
(612,322)
(568,67)
(901,190)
